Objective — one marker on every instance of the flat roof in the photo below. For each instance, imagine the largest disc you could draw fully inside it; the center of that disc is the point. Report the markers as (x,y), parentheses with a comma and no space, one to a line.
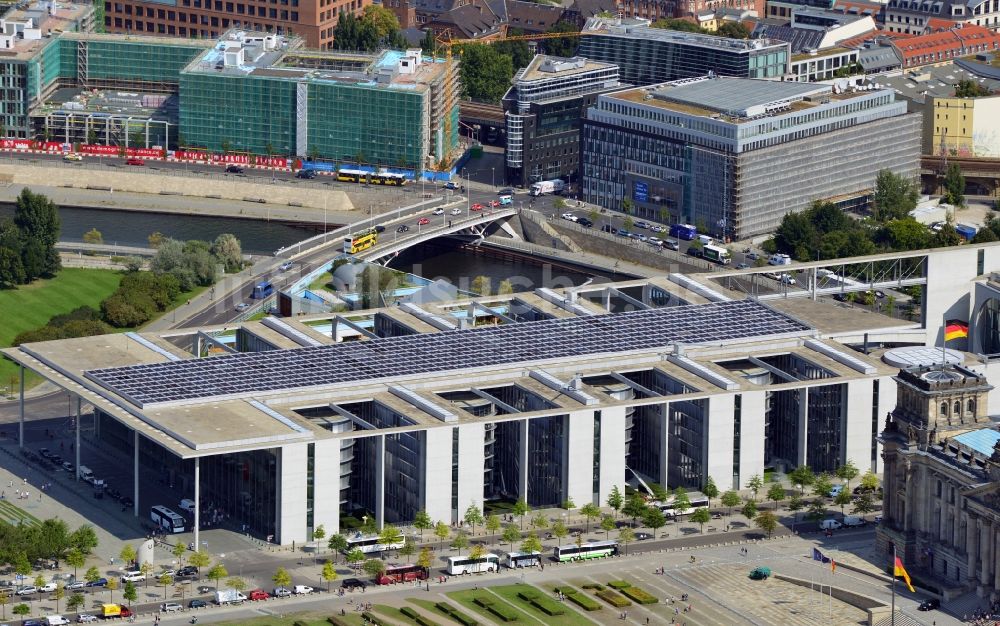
(575,65)
(726,94)
(982,440)
(636,28)
(246,374)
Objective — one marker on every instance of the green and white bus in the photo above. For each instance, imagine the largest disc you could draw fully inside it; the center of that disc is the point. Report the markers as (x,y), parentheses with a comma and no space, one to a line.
(592,550)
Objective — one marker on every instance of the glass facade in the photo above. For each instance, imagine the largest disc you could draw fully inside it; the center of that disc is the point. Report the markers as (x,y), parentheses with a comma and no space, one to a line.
(649,57)
(546,460)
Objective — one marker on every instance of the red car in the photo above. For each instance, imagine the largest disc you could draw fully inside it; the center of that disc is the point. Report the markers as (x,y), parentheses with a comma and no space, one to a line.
(423,221)
(134,161)
(258,594)
(494,203)
(477,207)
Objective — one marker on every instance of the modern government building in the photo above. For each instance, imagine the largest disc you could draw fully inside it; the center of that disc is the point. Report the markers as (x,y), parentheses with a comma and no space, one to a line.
(284,424)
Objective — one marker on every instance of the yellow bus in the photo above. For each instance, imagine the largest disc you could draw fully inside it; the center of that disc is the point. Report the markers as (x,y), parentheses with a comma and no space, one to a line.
(360,241)
(371,178)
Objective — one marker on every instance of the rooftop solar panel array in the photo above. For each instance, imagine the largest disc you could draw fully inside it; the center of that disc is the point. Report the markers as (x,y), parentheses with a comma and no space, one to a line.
(279,370)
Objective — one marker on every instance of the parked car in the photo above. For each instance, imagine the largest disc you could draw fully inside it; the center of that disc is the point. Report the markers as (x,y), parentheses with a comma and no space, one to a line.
(353,583)
(586,223)
(72,156)
(929,604)
(281,592)
(830,524)
(306,174)
(86,618)
(135,161)
(76,585)
(234,169)
(258,594)
(100,582)
(187,505)
(643,536)
(835,491)
(205,589)
(48,588)
(302,589)
(188,570)
(170,607)
(27,591)
(134,576)
(197,604)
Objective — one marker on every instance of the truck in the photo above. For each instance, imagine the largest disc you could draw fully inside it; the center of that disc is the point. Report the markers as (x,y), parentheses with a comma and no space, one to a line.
(547,186)
(716,254)
(115,610)
(229,596)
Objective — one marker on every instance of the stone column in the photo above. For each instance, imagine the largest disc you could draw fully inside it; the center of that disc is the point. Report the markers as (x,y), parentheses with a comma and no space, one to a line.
(986,552)
(908,499)
(971,546)
(996,551)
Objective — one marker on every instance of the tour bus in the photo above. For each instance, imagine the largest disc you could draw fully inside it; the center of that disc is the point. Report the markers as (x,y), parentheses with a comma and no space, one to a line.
(716,254)
(697,499)
(591,550)
(523,559)
(467,565)
(370,544)
(683,231)
(402,574)
(360,241)
(262,290)
(166,520)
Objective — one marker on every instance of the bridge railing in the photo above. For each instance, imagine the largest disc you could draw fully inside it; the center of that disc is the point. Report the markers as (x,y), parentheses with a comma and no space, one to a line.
(424,235)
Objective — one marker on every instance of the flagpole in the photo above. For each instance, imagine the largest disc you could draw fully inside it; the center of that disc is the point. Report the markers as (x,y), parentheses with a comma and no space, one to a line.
(893,584)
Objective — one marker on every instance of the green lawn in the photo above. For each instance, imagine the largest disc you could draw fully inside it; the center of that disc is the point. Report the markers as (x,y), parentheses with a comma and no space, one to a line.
(31,306)
(570,618)
(430,609)
(310,619)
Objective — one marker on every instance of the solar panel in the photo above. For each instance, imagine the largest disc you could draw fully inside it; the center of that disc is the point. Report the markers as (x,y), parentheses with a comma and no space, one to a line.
(251,373)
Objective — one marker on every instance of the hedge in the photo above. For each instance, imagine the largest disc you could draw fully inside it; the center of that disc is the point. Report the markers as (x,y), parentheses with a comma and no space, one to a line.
(444,606)
(529,595)
(595,586)
(549,607)
(566,591)
(483,601)
(423,621)
(638,595)
(409,612)
(336,621)
(619,584)
(612,598)
(584,601)
(504,612)
(371,618)
(458,616)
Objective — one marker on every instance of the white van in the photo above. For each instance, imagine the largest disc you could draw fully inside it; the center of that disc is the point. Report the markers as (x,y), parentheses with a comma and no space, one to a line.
(705,239)
(854,520)
(779,259)
(830,524)
(187,505)
(56,620)
(86,474)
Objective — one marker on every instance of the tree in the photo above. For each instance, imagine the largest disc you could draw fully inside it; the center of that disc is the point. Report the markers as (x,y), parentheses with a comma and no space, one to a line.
(817,510)
(749,510)
(677,24)
(559,530)
(282,578)
(22,609)
(74,603)
(510,535)
(329,574)
(654,519)
(58,594)
(822,485)
(863,505)
(869,481)
(733,30)
(355,556)
(130,594)
(337,543)
(766,521)
(37,219)
(521,509)
(227,250)
(477,552)
(615,500)
(409,548)
(628,223)
(701,517)
(895,196)
(681,500)
(460,541)
(904,234)
(531,544)
(802,476)
(539,521)
(127,554)
(634,507)
(729,500)
(480,285)
(485,73)
(422,521)
(92,575)
(165,580)
(180,552)
(847,472)
(984,235)
(590,511)
(217,573)
(5,600)
(11,269)
(441,531)
(710,490)
(390,535)
(146,569)
(967,88)
(374,567)
(755,484)
(473,516)
(954,186)
(842,499)
(426,558)
(562,46)
(776,493)
(93,236)
(492,524)
(199,559)
(625,535)
(607,525)
(76,559)
(155,239)
(506,287)
(568,504)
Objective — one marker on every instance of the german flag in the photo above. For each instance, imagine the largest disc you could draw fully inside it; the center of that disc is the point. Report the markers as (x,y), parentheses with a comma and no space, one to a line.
(900,571)
(955,329)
